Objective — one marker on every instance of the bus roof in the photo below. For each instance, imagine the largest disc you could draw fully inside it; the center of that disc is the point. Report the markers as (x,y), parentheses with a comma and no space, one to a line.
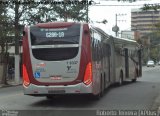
(116,39)
(125,40)
(55,24)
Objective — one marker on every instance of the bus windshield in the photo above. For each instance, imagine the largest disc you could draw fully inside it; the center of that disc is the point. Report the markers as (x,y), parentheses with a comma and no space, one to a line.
(52,36)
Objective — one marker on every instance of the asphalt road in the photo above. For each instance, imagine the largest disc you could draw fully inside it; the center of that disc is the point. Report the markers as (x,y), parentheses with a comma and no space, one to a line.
(140,95)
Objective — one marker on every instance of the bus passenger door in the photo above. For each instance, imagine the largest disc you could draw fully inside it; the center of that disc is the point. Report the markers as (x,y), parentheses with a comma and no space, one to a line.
(126,62)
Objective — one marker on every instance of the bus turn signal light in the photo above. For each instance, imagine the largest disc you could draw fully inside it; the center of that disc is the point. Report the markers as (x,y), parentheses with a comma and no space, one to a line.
(26,80)
(88,74)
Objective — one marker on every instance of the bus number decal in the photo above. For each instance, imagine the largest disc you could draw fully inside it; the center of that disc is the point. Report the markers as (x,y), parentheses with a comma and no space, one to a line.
(72,62)
(70,68)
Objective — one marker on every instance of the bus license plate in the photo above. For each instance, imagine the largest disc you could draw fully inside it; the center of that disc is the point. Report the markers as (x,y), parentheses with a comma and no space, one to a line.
(56,91)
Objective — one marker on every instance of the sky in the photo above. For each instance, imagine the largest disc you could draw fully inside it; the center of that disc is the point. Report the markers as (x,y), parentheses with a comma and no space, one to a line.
(107,9)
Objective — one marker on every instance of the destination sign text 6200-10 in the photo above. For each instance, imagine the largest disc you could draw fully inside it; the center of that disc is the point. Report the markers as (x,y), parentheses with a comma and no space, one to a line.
(54,34)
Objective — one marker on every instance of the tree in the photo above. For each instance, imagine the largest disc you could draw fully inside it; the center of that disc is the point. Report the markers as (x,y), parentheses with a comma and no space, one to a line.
(73,11)
(150,7)
(4,32)
(151,46)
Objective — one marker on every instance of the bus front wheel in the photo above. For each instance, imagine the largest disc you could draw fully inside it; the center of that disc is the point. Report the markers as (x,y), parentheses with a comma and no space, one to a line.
(135,76)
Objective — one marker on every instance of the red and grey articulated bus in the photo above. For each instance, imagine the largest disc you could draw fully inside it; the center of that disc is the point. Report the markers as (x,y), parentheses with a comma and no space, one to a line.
(76,58)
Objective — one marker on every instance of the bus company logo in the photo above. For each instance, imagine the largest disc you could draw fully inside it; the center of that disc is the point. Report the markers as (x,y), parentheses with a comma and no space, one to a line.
(68,68)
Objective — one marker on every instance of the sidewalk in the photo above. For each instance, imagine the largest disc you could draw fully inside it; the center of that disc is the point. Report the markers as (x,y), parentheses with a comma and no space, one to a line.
(11,83)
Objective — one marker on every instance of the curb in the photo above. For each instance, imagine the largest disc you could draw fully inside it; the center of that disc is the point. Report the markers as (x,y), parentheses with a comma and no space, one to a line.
(6,86)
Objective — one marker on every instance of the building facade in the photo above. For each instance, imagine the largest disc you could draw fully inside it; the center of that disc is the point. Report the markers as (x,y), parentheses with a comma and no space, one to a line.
(127,34)
(144,21)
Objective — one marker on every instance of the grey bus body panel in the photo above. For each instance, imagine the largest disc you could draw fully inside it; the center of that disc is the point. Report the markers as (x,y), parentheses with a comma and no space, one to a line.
(65,71)
(56,71)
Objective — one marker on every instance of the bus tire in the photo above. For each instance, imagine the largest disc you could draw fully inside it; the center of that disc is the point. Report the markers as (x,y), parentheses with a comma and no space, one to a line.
(100,94)
(135,76)
(97,97)
(134,80)
(102,86)
(49,97)
(121,78)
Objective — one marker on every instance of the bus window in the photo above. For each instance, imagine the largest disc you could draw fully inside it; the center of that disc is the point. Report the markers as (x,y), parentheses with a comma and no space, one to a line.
(56,54)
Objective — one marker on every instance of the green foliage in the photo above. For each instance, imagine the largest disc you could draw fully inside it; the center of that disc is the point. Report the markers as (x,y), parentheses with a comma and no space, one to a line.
(154,53)
(4,27)
(150,7)
(38,13)
(76,12)
(154,45)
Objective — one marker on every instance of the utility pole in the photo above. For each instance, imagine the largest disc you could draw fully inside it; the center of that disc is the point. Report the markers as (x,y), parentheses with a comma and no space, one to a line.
(87,12)
(149,48)
(116,28)
(17,58)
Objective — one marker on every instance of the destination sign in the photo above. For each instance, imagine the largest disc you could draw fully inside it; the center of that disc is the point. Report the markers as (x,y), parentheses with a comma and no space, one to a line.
(54,34)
